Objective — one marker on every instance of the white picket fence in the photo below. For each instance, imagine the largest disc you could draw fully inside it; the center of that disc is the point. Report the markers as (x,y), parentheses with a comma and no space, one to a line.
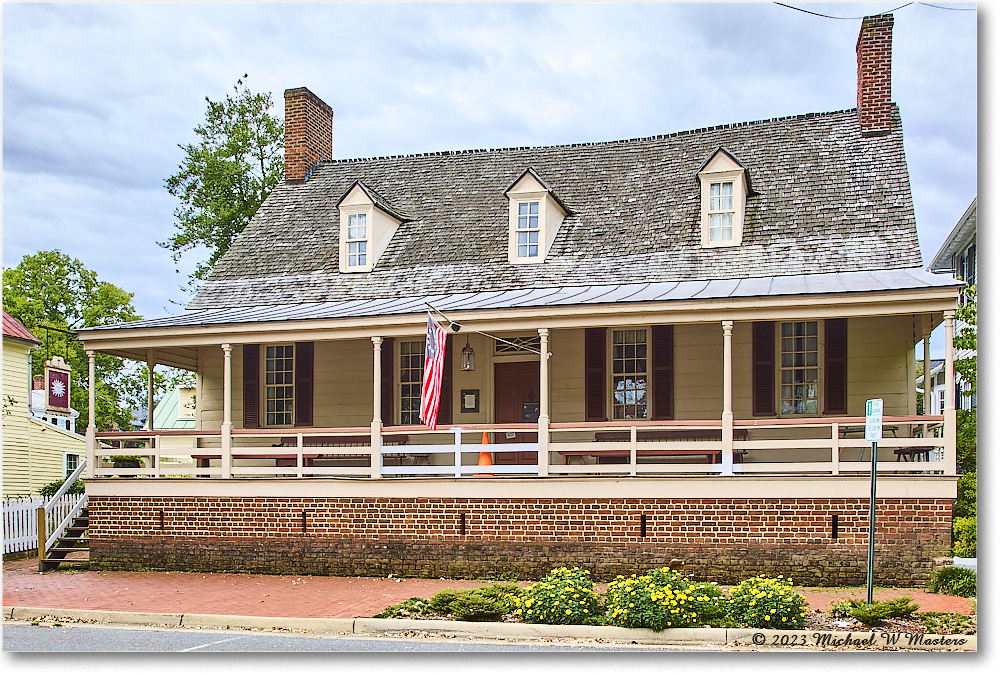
(20,520)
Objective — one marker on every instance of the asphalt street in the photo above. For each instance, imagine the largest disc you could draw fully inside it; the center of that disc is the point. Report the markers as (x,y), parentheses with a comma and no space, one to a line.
(76,638)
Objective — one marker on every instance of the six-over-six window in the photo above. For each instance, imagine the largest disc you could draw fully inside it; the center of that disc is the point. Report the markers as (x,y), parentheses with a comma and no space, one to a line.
(357,240)
(720,212)
(527,230)
(799,367)
(279,384)
(411,375)
(629,374)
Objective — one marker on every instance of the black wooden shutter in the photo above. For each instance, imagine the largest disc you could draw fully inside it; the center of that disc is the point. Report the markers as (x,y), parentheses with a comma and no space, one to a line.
(304,352)
(595,365)
(663,372)
(835,367)
(251,386)
(388,377)
(763,368)
(444,405)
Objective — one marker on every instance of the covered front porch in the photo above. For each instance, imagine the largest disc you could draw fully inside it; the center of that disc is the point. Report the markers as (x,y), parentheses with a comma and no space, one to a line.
(558,391)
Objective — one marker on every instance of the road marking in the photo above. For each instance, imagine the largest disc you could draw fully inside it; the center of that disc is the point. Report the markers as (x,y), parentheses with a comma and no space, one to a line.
(209,644)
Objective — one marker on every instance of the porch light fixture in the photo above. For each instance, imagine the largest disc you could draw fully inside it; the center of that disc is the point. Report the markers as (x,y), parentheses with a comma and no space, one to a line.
(468,357)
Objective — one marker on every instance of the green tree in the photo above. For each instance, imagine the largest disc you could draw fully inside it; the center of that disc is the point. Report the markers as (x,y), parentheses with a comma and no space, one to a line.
(52,289)
(226,175)
(965,339)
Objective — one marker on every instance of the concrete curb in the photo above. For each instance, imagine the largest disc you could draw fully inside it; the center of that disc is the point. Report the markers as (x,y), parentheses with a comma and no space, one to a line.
(737,637)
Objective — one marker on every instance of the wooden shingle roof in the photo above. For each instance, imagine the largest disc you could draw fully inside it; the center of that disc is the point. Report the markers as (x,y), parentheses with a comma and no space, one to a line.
(825,200)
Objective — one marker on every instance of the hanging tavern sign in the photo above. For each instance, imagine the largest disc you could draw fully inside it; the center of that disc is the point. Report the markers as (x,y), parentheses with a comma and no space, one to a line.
(57,386)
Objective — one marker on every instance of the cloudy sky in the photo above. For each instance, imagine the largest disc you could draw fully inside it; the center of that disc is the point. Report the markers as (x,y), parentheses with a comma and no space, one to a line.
(96,97)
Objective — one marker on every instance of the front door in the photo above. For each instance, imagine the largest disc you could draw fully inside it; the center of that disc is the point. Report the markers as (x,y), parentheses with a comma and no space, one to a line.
(515,396)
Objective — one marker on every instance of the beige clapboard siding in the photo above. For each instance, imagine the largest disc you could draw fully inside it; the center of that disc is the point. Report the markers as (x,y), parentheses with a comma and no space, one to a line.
(48,445)
(16,384)
(879,353)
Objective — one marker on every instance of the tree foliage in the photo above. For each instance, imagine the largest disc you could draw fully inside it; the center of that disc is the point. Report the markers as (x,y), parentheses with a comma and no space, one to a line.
(965,339)
(226,175)
(51,289)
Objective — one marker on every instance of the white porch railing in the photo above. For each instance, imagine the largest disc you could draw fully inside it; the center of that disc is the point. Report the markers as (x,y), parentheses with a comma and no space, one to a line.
(794,446)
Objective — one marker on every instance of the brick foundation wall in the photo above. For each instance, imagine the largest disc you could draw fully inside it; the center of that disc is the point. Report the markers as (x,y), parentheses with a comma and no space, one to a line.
(724,540)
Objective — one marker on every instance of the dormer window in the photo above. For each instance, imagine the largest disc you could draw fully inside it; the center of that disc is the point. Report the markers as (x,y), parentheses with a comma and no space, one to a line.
(527,229)
(367,224)
(357,240)
(725,186)
(721,212)
(535,216)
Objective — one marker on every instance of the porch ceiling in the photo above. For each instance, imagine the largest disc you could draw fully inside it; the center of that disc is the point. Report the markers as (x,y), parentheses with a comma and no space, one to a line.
(843,289)
(185,358)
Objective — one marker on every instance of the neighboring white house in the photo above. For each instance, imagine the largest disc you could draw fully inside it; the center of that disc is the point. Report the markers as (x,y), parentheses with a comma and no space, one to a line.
(957,256)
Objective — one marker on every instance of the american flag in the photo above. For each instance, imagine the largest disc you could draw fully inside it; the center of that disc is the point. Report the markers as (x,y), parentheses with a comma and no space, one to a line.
(430,395)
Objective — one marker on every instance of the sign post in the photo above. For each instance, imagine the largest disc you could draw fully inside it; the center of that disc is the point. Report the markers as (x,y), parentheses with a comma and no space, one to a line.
(873,433)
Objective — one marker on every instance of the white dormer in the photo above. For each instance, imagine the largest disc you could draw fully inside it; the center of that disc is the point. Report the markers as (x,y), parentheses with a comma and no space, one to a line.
(367,225)
(725,186)
(535,216)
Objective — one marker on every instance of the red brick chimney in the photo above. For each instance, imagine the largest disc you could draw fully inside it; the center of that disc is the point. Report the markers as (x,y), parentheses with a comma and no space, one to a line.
(308,133)
(875,75)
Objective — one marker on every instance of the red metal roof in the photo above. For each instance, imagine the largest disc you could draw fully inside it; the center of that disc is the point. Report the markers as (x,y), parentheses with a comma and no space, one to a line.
(14,328)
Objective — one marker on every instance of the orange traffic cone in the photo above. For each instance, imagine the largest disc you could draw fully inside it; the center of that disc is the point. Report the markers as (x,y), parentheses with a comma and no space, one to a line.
(485,457)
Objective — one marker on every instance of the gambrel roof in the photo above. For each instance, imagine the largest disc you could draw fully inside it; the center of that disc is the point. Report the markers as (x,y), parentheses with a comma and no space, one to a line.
(825,200)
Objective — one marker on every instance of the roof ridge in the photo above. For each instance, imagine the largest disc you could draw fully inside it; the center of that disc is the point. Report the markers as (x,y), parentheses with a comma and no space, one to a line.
(675,134)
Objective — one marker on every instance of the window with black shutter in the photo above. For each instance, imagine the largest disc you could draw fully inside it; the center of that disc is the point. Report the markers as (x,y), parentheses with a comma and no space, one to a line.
(763,368)
(251,386)
(595,365)
(663,372)
(835,367)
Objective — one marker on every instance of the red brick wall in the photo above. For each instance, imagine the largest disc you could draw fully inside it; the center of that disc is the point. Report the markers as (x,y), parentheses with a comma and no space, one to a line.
(874,50)
(308,132)
(723,540)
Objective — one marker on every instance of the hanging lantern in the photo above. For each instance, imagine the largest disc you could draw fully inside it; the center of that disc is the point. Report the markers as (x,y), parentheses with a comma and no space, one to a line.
(468,357)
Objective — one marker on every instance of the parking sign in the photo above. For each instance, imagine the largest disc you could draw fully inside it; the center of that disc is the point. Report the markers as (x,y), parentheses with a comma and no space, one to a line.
(873,420)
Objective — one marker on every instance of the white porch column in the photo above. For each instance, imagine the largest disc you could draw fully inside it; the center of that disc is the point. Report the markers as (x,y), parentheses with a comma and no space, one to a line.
(727,398)
(91,421)
(377,409)
(950,417)
(928,389)
(150,384)
(227,410)
(543,403)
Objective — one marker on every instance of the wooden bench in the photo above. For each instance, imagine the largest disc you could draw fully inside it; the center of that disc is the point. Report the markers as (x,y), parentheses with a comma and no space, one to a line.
(919,454)
(621,456)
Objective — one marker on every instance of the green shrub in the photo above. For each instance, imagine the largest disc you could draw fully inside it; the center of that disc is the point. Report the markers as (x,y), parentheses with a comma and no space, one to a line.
(663,598)
(953,581)
(965,537)
(875,613)
(765,602)
(489,603)
(965,505)
(563,596)
(948,623)
(409,608)
(50,489)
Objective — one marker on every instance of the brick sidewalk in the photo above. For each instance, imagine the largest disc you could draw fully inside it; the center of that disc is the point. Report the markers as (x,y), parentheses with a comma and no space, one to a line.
(290,596)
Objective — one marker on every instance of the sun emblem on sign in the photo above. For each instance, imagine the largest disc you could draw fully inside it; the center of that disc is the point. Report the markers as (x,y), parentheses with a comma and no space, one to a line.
(58,388)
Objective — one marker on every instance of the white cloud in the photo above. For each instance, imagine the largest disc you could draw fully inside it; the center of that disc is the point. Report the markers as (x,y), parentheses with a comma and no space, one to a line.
(97,97)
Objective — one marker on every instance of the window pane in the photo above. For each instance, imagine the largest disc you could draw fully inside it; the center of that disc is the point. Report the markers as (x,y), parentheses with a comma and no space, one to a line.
(522,209)
(727,189)
(533,207)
